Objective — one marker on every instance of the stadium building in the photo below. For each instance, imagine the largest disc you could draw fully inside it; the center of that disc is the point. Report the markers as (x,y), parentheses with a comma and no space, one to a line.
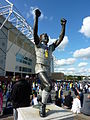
(16,51)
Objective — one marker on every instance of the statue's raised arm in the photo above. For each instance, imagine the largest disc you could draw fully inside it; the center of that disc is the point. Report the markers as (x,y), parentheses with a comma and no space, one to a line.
(57,42)
(35,28)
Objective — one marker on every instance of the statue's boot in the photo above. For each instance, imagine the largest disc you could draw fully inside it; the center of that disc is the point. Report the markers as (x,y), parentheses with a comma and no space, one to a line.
(42,110)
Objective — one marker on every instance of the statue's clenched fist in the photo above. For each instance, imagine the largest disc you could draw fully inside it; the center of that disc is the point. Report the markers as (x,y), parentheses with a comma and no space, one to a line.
(63,21)
(37,12)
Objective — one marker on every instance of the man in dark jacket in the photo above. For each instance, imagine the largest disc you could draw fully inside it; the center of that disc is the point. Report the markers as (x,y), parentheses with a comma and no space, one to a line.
(20,95)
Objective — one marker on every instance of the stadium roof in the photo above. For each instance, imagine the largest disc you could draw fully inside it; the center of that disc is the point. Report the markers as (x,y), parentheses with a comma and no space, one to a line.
(11,14)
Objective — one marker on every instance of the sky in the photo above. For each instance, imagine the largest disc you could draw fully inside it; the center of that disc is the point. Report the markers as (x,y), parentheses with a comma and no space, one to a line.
(72,57)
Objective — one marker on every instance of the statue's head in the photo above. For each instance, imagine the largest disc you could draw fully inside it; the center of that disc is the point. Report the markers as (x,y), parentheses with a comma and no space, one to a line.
(44,38)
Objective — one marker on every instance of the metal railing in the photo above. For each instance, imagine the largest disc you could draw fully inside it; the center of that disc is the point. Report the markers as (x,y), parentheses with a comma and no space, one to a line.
(11,14)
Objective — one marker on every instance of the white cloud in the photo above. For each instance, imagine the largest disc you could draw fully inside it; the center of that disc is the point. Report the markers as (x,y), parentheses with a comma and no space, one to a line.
(85,28)
(88,71)
(59,70)
(29,13)
(63,43)
(60,65)
(69,73)
(82,64)
(71,69)
(51,40)
(64,62)
(82,71)
(82,53)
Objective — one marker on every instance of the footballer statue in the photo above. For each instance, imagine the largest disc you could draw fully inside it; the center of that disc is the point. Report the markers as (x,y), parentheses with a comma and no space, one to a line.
(43,57)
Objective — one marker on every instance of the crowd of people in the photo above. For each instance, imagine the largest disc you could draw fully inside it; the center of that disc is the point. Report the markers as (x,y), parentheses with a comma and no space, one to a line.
(24,93)
(78,92)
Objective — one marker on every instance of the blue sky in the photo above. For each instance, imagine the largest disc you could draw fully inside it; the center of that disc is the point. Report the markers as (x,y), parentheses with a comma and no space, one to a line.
(73,55)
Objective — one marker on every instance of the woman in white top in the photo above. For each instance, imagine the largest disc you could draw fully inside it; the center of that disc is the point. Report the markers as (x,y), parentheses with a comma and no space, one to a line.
(76,105)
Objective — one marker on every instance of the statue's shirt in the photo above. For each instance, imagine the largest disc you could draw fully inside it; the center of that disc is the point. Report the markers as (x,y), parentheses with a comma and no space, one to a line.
(43,57)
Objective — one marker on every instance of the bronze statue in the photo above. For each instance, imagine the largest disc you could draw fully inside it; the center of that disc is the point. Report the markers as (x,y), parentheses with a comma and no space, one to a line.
(43,55)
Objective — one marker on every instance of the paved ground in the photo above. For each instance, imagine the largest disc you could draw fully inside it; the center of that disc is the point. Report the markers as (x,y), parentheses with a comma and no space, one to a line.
(77,117)
(7,118)
(81,117)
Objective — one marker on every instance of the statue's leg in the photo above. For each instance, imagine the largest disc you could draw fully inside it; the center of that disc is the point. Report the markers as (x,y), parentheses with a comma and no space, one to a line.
(46,91)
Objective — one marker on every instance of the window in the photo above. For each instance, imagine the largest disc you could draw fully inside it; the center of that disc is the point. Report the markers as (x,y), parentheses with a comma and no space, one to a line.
(23,69)
(25,60)
(3,44)
(17,68)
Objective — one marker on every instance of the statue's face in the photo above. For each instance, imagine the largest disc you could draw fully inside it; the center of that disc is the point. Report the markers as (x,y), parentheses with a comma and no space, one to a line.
(44,38)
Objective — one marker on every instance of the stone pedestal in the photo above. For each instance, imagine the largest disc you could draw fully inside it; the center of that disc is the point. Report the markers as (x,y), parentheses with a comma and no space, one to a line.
(53,113)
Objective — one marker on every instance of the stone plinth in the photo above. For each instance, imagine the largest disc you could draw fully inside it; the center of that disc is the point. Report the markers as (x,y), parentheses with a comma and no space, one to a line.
(53,113)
